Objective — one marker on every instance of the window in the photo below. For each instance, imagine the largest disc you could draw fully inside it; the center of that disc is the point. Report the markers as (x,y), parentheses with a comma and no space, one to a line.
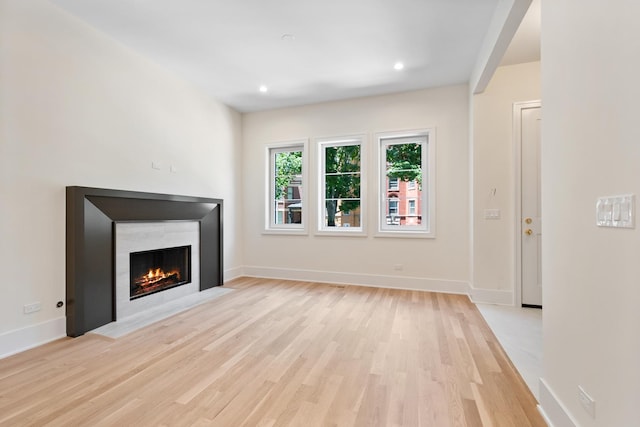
(411,207)
(393,207)
(406,183)
(340,202)
(394,184)
(392,212)
(285,203)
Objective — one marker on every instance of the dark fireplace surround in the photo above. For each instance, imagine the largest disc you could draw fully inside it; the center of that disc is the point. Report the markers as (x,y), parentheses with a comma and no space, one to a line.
(90,268)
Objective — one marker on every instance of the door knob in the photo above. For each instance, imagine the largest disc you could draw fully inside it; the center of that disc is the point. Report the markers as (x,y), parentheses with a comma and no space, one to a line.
(528,232)
(528,220)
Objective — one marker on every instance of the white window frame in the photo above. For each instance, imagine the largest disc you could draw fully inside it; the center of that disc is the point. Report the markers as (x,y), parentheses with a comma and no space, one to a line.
(322,143)
(428,208)
(270,216)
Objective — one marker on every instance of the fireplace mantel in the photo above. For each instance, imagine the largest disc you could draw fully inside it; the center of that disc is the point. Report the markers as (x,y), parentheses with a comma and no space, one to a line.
(91,217)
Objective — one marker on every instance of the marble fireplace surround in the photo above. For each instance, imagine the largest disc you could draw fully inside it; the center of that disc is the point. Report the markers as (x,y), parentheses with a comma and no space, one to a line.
(92,214)
(142,236)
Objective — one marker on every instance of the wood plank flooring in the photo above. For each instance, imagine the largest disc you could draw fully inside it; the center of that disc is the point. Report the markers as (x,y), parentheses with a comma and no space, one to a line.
(279,353)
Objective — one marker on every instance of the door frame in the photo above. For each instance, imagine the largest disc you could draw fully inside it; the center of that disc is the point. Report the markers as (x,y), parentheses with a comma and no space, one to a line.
(518,107)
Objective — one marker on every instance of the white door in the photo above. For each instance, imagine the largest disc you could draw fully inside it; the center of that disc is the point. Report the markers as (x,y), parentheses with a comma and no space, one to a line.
(531,222)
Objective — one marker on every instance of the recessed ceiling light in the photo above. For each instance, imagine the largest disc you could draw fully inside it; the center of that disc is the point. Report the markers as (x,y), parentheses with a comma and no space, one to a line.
(263,89)
(398,66)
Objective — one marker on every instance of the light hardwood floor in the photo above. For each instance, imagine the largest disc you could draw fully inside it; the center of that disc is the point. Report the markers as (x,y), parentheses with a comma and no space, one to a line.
(277,353)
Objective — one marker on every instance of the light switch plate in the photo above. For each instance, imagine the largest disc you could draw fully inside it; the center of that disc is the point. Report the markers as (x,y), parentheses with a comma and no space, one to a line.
(616,211)
(492,214)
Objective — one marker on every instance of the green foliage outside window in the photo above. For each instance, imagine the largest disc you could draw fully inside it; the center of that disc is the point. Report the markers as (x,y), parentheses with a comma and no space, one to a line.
(342,180)
(288,169)
(404,161)
(342,173)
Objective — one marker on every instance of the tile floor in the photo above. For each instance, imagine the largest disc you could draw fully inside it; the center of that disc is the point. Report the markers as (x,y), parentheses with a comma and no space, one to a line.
(519,331)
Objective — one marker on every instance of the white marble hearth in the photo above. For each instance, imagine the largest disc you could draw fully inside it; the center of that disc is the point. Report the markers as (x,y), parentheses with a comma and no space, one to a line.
(143,236)
(132,323)
(519,331)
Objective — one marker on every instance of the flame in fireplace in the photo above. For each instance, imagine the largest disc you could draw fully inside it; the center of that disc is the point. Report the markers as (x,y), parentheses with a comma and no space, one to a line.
(156,279)
(159,269)
(157,275)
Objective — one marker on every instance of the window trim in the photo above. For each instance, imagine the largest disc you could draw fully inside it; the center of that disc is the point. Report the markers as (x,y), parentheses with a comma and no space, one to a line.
(270,227)
(428,187)
(321,229)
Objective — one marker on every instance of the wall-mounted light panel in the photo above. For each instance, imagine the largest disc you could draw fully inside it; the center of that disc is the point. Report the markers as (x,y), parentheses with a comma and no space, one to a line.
(616,211)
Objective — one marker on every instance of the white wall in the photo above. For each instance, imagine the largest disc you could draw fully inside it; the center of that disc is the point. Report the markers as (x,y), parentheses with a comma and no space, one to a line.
(494,168)
(430,263)
(590,148)
(76,108)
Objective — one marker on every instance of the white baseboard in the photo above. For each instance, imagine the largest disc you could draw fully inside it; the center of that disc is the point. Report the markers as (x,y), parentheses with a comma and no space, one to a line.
(19,340)
(373,280)
(544,416)
(552,409)
(233,273)
(491,296)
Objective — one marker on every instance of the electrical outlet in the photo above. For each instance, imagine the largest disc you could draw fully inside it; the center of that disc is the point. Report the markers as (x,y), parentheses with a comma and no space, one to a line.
(32,308)
(398,267)
(587,402)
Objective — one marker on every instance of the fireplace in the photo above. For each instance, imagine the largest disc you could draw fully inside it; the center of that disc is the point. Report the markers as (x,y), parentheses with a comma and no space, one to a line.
(163,257)
(95,266)
(157,270)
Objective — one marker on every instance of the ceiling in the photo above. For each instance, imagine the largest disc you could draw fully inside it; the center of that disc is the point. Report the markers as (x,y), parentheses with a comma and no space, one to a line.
(303,51)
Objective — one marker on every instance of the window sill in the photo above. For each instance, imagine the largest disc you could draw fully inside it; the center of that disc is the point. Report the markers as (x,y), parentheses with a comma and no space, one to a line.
(284,232)
(341,233)
(405,234)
